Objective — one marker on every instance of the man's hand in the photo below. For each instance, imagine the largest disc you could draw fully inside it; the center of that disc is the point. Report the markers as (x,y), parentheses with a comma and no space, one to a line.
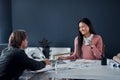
(47,61)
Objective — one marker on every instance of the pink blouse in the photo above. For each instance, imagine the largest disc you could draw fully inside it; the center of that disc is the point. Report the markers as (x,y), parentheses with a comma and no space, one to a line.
(93,53)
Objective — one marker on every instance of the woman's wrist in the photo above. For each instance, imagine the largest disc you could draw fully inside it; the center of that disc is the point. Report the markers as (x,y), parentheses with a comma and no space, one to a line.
(61,58)
(92,46)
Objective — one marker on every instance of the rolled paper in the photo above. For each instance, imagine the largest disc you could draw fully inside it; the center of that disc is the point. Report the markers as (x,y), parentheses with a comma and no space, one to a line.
(118,55)
(117,59)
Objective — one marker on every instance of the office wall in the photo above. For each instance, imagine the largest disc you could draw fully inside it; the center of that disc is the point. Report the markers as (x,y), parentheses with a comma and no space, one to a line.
(57,21)
(5,20)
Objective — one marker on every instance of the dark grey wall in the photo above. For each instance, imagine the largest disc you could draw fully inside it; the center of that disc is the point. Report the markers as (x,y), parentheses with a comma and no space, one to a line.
(57,20)
(5,20)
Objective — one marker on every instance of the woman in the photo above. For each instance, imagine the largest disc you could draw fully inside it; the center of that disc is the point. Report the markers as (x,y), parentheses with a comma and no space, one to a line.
(88,44)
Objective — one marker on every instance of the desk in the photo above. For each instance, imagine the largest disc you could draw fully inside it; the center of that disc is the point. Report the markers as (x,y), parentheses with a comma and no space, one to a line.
(80,69)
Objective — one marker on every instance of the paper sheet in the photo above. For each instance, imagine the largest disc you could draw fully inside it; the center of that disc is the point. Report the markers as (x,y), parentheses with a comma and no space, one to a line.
(47,68)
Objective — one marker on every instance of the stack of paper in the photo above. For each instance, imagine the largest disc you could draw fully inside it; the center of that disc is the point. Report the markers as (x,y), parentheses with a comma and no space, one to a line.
(47,68)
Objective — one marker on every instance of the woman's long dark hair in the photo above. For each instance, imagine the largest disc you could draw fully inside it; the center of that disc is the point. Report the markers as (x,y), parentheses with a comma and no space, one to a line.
(80,36)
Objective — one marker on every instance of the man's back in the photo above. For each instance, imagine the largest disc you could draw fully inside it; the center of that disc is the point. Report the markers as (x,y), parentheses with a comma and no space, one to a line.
(13,61)
(10,67)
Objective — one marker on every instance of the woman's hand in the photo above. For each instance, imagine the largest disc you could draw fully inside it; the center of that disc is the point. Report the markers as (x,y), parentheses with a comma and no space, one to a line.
(62,58)
(92,45)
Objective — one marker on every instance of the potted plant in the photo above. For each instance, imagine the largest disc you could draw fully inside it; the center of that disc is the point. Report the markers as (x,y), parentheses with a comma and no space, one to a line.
(45,44)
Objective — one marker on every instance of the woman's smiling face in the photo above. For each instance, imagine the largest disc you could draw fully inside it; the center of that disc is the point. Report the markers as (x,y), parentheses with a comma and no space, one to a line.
(84,29)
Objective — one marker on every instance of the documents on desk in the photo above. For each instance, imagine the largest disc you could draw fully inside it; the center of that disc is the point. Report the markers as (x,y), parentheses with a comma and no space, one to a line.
(78,69)
(81,63)
(66,64)
(47,68)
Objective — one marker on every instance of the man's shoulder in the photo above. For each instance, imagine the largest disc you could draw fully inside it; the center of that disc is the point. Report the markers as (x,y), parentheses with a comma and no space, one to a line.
(12,51)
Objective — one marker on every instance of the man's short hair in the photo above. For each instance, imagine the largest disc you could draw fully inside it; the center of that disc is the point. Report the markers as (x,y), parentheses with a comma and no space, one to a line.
(16,38)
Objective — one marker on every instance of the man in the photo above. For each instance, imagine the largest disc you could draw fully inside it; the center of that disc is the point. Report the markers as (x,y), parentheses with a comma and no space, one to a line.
(13,60)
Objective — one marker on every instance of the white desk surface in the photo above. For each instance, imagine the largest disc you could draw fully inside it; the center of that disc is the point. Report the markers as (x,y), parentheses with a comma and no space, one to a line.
(80,69)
